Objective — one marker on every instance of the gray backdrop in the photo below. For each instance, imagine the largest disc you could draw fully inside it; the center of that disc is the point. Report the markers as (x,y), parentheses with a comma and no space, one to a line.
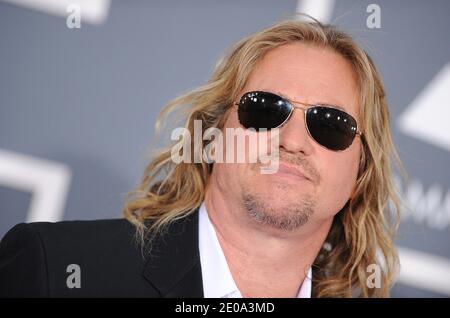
(80,105)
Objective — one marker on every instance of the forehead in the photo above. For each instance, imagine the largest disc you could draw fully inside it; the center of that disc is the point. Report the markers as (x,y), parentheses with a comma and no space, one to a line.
(309,74)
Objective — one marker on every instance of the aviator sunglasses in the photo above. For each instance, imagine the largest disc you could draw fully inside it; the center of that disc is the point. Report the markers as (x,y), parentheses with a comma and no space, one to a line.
(329,126)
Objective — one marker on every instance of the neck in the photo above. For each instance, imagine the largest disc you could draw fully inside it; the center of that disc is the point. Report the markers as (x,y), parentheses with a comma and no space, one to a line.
(264,262)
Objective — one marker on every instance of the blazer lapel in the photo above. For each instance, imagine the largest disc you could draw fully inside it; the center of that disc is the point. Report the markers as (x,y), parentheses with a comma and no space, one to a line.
(173,266)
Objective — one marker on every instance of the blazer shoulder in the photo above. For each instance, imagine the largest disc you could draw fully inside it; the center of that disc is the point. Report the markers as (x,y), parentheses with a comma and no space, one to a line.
(35,258)
(86,237)
(22,263)
(70,232)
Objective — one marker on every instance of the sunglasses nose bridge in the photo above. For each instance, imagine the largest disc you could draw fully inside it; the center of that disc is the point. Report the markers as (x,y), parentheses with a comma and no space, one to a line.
(296,135)
(295,107)
(303,114)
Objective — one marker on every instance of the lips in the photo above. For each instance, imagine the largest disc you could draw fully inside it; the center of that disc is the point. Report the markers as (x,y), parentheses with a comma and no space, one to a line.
(286,169)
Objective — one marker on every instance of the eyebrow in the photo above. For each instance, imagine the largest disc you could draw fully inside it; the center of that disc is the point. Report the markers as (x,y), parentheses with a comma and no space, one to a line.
(312,104)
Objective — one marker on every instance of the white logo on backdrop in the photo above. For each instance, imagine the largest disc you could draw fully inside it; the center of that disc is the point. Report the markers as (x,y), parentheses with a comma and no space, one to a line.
(94,11)
(48,182)
(429,206)
(427,117)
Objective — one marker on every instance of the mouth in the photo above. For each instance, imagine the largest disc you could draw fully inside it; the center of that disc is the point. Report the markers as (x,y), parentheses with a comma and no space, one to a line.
(291,172)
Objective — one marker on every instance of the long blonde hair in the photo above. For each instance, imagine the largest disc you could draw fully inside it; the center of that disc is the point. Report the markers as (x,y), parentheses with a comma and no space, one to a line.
(362,232)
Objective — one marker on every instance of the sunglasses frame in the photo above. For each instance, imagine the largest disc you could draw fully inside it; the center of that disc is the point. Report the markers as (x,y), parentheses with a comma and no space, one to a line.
(291,102)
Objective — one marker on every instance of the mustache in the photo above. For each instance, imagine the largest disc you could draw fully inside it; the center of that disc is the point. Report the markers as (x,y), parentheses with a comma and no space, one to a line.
(301,162)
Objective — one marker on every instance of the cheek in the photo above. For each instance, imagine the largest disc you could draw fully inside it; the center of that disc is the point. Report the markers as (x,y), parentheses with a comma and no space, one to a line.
(339,178)
(228,174)
(239,147)
(232,119)
(223,175)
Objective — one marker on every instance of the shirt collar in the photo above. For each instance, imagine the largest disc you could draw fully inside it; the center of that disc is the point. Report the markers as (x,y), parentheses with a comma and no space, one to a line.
(217,279)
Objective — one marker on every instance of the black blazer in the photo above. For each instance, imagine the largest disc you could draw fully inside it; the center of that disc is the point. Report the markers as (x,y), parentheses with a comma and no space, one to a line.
(34,259)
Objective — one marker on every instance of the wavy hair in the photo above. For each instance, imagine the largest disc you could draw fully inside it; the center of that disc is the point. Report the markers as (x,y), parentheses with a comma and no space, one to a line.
(361,233)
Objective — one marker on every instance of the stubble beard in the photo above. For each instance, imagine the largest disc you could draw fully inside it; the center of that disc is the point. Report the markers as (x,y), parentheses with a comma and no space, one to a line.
(285,217)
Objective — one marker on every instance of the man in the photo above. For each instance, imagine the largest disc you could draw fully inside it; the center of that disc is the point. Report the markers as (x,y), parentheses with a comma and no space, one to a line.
(316,226)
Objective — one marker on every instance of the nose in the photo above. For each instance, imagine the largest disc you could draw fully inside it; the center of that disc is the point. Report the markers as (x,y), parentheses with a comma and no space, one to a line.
(294,137)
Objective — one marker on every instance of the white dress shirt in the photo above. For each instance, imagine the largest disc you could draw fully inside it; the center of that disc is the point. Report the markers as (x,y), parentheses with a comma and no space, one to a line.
(217,279)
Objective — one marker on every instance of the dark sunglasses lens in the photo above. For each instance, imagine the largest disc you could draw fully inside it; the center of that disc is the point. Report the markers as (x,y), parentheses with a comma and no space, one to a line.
(332,128)
(263,110)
